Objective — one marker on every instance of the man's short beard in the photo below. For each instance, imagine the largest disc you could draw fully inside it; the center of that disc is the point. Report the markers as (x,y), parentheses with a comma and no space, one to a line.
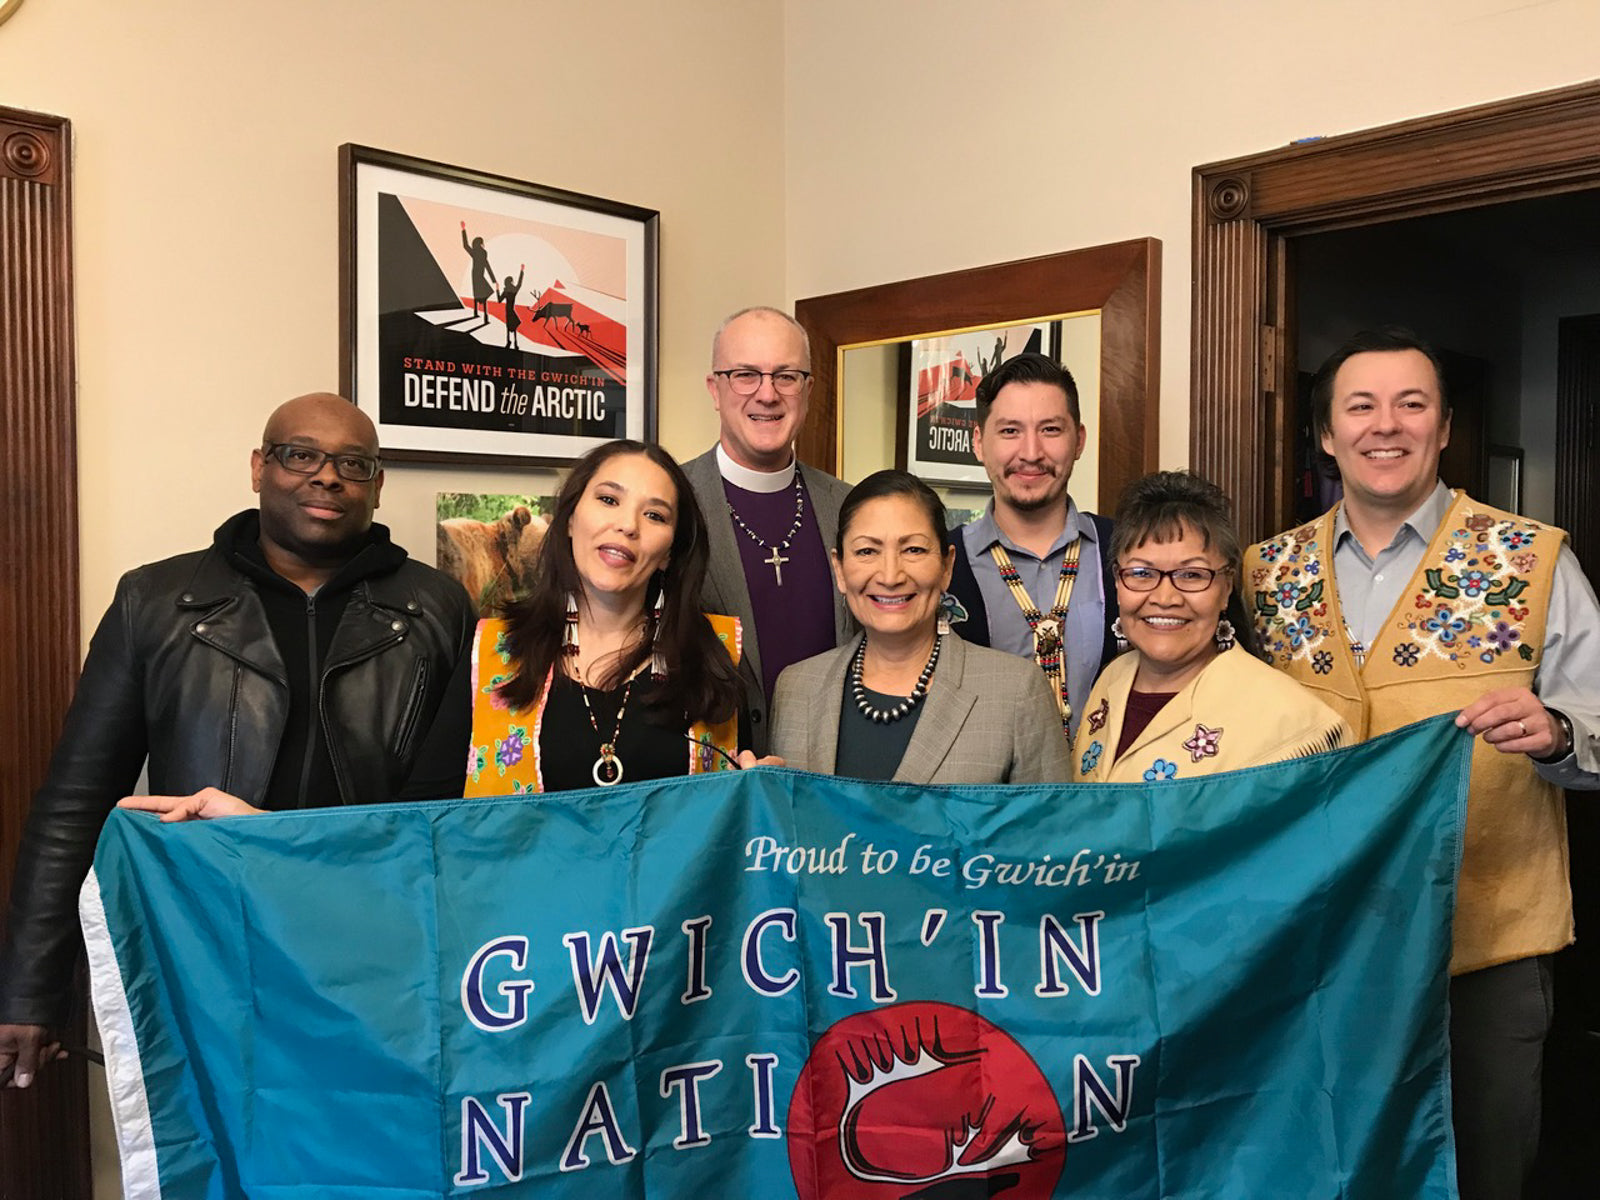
(1047,501)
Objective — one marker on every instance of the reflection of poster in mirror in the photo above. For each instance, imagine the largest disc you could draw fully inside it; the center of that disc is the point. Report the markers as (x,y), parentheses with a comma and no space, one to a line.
(939,410)
(490,320)
(489,543)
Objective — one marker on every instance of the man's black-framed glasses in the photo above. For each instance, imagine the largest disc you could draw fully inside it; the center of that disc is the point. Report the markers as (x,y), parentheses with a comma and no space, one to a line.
(746,382)
(304,460)
(1185,579)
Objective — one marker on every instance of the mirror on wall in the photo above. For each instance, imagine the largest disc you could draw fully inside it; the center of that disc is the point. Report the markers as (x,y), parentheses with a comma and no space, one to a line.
(890,364)
(910,403)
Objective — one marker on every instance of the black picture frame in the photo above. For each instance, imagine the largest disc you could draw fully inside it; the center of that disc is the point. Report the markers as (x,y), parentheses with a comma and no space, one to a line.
(417,334)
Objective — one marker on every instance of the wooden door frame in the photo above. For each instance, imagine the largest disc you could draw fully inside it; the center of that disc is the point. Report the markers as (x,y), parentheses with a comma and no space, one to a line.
(1247,211)
(1121,280)
(1578,439)
(44,1131)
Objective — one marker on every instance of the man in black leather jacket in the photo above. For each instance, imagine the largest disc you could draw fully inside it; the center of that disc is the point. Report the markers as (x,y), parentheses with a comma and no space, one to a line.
(297,662)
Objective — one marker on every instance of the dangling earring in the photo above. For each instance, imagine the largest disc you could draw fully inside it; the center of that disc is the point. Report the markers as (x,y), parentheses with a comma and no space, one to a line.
(658,658)
(1122,638)
(1225,635)
(569,634)
(942,625)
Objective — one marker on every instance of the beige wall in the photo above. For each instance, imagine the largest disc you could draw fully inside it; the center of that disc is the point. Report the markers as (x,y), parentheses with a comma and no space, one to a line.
(931,135)
(207,220)
(868,142)
(793,148)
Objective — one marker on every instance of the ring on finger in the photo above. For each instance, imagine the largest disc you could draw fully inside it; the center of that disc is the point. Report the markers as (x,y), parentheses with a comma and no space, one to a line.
(1523,725)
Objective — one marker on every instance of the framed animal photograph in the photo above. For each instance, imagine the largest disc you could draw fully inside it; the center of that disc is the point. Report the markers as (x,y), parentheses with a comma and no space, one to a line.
(488,543)
(939,388)
(486,320)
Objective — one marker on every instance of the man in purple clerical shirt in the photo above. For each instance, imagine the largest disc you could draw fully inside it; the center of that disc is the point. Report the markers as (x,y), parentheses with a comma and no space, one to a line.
(772,518)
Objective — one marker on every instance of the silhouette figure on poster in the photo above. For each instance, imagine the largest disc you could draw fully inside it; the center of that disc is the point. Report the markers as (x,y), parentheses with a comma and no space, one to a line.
(482,274)
(508,294)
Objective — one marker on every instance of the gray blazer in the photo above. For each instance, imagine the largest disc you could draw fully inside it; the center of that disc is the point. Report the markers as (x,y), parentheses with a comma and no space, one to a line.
(988,717)
(725,589)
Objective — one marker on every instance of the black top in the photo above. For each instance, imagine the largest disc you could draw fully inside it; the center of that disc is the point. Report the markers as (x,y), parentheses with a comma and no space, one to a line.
(647,747)
(651,745)
(302,627)
(868,750)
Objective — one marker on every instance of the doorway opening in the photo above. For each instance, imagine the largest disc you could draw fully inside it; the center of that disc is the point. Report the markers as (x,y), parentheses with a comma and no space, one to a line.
(1489,288)
(1428,197)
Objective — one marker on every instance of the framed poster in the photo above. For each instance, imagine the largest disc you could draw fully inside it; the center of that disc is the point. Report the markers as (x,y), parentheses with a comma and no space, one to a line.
(940,377)
(487,320)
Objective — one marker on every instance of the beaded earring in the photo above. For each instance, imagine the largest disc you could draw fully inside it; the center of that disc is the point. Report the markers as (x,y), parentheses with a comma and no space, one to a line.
(1122,638)
(1226,634)
(658,659)
(569,634)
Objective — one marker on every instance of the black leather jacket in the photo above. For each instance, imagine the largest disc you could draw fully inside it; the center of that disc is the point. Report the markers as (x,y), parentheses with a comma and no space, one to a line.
(184,670)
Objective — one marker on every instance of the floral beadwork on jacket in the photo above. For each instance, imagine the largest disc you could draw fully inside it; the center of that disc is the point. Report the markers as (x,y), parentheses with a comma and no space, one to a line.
(1160,771)
(504,750)
(1091,758)
(1290,598)
(1465,608)
(1204,742)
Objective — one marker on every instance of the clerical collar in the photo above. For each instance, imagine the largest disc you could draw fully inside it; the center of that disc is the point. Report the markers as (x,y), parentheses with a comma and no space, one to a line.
(754,481)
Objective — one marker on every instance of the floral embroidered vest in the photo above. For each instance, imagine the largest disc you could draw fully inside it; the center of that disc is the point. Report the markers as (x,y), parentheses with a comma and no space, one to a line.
(504,757)
(1471,620)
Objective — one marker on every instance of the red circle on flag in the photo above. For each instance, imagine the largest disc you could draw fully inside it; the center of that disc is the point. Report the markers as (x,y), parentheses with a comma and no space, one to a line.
(927,1100)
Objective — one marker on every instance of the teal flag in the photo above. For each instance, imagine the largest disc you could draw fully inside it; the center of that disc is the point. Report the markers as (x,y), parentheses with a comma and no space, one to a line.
(769,983)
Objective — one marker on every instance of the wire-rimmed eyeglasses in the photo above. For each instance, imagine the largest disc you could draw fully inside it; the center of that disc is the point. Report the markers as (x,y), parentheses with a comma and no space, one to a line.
(746,382)
(305,460)
(1185,579)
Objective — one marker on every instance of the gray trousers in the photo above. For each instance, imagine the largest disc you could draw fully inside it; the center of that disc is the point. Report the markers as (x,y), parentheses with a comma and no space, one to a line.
(1499,1018)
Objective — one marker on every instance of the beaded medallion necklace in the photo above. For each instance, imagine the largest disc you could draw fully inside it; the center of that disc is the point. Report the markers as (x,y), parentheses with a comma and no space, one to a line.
(1049,629)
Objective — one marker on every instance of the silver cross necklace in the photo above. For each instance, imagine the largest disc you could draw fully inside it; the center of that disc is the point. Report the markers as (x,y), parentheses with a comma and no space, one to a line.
(776,559)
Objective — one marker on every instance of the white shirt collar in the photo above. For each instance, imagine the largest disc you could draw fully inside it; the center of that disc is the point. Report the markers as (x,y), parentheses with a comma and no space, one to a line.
(754,481)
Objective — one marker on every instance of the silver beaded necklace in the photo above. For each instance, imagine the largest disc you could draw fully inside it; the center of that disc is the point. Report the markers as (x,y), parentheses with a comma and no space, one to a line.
(882,716)
(777,558)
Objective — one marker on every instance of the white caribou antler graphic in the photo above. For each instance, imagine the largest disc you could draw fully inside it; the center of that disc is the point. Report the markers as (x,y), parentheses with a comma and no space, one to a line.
(878,1065)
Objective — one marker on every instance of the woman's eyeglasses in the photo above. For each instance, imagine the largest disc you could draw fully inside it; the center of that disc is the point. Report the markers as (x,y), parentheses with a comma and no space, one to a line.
(1185,579)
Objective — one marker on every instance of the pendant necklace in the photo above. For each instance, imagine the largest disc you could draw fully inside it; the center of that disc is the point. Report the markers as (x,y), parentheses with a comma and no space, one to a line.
(886,716)
(776,559)
(608,767)
(1049,629)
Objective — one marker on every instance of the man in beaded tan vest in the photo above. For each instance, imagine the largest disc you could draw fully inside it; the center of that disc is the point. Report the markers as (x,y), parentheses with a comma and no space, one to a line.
(1406,601)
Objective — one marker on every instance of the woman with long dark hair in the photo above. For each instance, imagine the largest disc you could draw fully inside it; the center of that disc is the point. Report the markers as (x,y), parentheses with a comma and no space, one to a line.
(607,670)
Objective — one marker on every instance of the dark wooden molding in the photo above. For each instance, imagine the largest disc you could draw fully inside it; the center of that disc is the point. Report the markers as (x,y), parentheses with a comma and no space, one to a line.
(1578,438)
(1247,211)
(1122,280)
(44,1131)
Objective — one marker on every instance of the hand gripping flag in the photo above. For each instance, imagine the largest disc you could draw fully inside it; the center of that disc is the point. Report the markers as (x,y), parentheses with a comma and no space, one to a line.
(768,983)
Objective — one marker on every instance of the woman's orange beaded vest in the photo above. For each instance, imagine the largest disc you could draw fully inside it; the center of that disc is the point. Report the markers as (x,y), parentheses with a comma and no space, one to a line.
(505,758)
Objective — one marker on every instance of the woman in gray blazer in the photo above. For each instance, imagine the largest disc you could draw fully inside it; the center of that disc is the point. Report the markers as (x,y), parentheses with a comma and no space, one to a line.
(909,700)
